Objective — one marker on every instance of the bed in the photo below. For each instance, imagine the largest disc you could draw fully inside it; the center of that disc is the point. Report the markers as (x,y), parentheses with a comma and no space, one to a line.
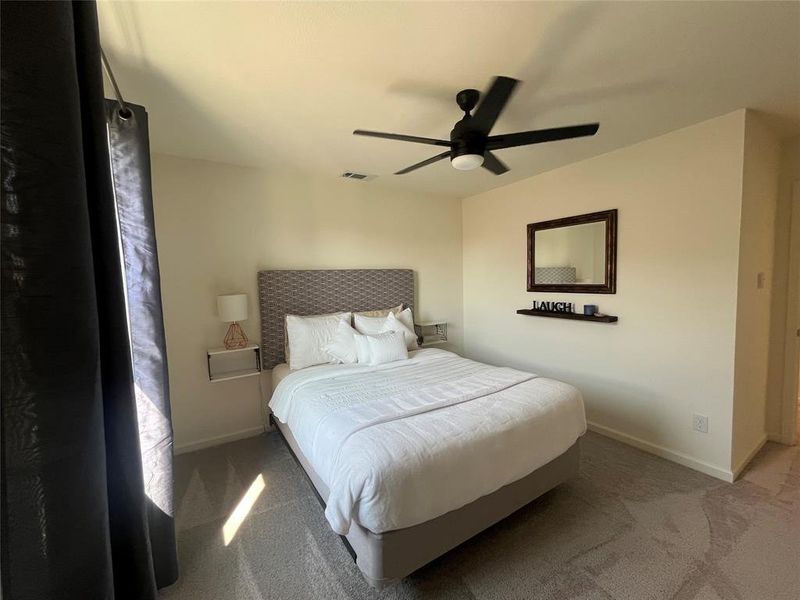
(414,457)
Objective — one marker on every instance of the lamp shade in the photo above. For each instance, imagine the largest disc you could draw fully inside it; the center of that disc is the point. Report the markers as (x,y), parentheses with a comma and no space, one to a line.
(232,307)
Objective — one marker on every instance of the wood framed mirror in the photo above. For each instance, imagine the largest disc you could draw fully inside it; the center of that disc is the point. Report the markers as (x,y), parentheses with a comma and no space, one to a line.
(574,254)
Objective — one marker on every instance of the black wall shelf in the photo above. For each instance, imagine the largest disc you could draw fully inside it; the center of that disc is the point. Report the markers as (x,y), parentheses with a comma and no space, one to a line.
(573,316)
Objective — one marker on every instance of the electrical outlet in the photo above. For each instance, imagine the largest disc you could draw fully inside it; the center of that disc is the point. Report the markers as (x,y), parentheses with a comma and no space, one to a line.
(700,423)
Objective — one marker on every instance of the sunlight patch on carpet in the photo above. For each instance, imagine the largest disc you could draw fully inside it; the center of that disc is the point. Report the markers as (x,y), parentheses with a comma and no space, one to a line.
(242,509)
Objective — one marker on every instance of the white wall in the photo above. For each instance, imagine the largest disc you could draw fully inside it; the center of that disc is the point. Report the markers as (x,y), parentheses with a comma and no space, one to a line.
(672,353)
(217,225)
(760,170)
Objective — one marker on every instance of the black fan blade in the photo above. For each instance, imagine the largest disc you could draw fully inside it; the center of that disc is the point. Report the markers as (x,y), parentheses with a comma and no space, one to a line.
(403,138)
(525,138)
(424,163)
(492,104)
(493,164)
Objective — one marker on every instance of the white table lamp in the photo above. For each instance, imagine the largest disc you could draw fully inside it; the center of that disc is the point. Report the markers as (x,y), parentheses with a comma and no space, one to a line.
(232,308)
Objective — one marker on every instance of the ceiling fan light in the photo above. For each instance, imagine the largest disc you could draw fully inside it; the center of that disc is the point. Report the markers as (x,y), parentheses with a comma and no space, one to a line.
(467,162)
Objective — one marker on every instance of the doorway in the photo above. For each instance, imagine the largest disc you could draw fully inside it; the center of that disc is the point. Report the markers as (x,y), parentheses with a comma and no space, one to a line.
(791,387)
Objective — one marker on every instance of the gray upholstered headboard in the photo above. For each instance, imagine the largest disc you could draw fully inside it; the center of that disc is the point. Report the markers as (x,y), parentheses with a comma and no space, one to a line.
(317,292)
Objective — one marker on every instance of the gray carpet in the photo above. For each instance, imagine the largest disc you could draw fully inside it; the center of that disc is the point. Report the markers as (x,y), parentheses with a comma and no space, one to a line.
(631,526)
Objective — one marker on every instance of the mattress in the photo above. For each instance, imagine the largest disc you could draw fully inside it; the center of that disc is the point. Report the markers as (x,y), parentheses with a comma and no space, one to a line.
(279,373)
(403,443)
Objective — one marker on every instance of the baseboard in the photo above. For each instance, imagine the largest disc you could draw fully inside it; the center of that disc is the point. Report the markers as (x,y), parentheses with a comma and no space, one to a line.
(738,470)
(673,455)
(217,440)
(780,438)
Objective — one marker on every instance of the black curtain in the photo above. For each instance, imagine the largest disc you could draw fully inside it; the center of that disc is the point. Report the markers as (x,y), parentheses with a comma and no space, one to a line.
(129,149)
(77,521)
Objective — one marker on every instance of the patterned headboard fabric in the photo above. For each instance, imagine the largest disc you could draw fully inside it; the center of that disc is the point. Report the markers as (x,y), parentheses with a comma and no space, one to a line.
(555,275)
(316,292)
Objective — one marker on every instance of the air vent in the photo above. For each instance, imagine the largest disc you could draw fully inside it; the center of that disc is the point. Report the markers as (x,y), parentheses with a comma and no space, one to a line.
(359,176)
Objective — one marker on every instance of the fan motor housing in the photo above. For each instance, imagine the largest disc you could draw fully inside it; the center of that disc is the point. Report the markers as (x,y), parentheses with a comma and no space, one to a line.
(466,140)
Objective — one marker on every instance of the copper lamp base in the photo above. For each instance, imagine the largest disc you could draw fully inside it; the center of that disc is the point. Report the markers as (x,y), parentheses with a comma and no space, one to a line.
(235,338)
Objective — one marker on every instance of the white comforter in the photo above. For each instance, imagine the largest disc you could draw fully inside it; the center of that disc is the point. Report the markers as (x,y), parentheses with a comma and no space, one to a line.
(402,443)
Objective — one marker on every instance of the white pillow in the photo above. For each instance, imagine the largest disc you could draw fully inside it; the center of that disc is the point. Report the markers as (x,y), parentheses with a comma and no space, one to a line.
(381,348)
(393,323)
(362,348)
(368,325)
(342,348)
(387,347)
(376,325)
(407,319)
(308,335)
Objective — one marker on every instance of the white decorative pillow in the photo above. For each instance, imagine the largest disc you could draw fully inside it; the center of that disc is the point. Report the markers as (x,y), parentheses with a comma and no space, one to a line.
(307,337)
(376,325)
(382,312)
(342,348)
(368,325)
(362,348)
(393,323)
(386,347)
(407,319)
(381,348)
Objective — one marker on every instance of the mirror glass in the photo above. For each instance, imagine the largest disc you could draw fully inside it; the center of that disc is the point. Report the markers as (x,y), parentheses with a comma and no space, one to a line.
(570,255)
(574,254)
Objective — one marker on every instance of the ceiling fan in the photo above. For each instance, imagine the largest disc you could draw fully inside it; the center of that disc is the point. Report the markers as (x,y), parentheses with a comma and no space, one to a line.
(470,144)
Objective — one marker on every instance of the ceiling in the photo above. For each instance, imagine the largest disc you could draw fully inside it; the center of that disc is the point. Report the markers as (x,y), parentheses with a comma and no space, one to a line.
(283,85)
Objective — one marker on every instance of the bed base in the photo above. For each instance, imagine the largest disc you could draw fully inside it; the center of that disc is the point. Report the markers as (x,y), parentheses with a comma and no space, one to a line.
(384,558)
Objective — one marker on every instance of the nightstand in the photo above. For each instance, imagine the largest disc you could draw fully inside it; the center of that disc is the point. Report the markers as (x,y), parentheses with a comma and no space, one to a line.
(223,354)
(431,333)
